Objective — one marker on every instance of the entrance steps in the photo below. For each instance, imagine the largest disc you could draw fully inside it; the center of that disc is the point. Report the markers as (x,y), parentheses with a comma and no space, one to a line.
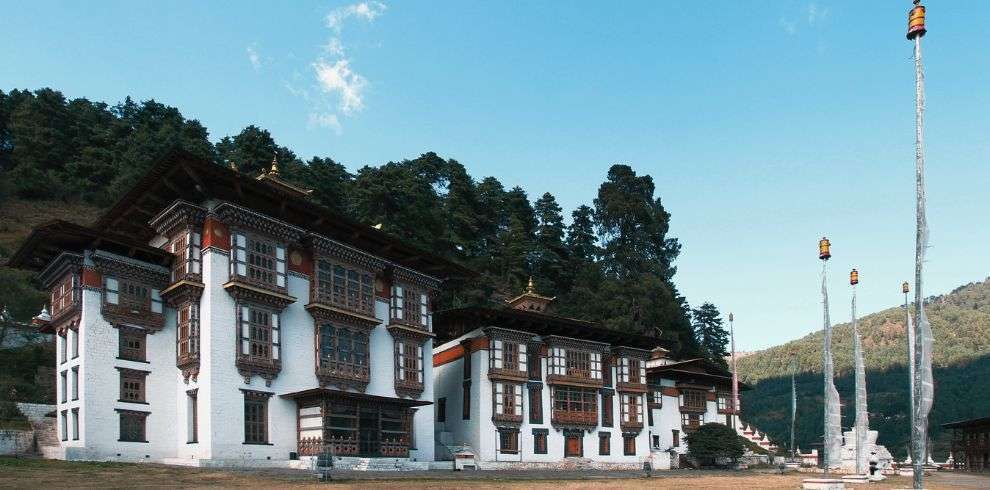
(350,463)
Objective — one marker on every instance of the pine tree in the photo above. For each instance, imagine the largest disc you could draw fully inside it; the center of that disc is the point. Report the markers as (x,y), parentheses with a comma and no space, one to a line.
(549,254)
(710,333)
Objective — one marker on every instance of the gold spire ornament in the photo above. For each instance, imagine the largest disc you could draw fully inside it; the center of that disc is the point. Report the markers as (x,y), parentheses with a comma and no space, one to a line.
(529,287)
(274,170)
(823,249)
(916,21)
(854,277)
(905,287)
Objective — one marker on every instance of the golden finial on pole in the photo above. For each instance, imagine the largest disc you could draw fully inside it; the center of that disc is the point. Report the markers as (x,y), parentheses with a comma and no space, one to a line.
(274,170)
(530,288)
(823,249)
(916,21)
(854,277)
(905,287)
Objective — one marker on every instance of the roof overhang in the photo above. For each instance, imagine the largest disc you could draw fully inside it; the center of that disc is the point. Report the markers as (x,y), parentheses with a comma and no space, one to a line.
(962,424)
(325,392)
(48,241)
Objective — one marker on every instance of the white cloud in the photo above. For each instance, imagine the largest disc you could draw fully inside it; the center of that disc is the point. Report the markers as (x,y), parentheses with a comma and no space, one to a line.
(365,10)
(338,78)
(253,57)
(334,47)
(325,120)
(816,14)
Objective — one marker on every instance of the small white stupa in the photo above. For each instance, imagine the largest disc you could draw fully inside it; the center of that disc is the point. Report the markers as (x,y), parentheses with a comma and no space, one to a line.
(884,459)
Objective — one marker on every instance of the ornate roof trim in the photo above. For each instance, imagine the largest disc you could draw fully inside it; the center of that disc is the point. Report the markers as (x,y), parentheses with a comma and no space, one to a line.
(404,274)
(244,217)
(508,334)
(625,351)
(54,270)
(560,341)
(113,264)
(179,213)
(334,250)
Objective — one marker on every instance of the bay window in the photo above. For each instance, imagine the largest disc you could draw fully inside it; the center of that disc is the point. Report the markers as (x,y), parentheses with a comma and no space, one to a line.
(632,413)
(509,356)
(575,363)
(690,421)
(575,404)
(507,400)
(257,260)
(343,352)
(259,333)
(694,399)
(410,306)
(65,294)
(186,248)
(132,295)
(408,362)
(187,332)
(631,371)
(724,401)
(345,287)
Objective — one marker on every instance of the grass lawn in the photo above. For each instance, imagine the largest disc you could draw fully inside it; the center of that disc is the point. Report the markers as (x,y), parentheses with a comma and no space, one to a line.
(40,473)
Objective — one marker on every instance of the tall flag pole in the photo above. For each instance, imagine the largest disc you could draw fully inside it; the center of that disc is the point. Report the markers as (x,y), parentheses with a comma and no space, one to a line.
(735,377)
(793,402)
(862,415)
(832,443)
(905,288)
(923,385)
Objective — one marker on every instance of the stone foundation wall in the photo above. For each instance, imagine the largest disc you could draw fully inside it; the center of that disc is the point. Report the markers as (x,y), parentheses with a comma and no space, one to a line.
(569,464)
(16,442)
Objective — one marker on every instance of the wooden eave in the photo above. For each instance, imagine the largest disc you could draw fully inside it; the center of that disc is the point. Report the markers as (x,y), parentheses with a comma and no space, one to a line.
(181,175)
(537,324)
(318,309)
(49,240)
(325,392)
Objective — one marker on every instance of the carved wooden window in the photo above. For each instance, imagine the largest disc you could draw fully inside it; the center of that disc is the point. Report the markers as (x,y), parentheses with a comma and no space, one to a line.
(540,441)
(256,417)
(573,399)
(690,421)
(186,247)
(345,287)
(575,363)
(656,396)
(507,398)
(132,295)
(132,385)
(536,404)
(408,362)
(629,445)
(132,344)
(696,399)
(631,371)
(64,294)
(604,444)
(508,356)
(410,306)
(187,331)
(132,425)
(259,333)
(632,412)
(256,260)
(343,350)
(508,441)
(534,365)
(607,410)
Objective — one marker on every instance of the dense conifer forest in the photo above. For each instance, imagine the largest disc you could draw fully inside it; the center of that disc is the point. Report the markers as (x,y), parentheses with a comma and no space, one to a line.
(610,261)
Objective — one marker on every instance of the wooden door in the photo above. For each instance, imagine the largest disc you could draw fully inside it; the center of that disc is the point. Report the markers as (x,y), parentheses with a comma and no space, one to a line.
(572,445)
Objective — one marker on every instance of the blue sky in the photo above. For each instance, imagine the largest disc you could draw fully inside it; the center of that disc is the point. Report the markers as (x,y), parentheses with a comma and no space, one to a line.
(764,124)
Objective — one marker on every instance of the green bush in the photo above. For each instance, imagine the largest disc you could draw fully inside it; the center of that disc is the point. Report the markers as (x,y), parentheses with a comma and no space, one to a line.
(713,444)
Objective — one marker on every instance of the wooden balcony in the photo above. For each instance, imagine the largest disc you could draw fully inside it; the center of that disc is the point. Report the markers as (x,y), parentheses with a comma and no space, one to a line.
(134,315)
(410,388)
(508,374)
(631,426)
(631,387)
(343,373)
(693,408)
(575,377)
(574,418)
(507,418)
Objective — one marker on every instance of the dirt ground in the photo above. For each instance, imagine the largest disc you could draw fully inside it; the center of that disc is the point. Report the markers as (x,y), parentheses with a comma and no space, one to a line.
(38,473)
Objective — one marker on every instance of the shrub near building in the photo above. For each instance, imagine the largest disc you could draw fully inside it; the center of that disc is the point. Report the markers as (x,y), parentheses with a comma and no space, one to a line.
(715,444)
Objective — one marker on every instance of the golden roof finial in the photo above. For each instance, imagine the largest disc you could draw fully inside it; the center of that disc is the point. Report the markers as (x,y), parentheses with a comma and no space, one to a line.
(274,169)
(530,288)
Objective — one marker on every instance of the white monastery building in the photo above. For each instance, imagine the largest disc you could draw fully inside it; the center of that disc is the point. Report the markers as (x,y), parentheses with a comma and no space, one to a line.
(214,318)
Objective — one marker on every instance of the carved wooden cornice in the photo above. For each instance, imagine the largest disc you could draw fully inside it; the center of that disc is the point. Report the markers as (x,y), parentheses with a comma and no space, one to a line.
(267,369)
(237,216)
(243,291)
(179,214)
(335,251)
(324,313)
(409,276)
(578,344)
(356,381)
(507,420)
(189,366)
(631,428)
(123,316)
(505,334)
(405,332)
(631,352)
(184,291)
(411,389)
(110,264)
(65,262)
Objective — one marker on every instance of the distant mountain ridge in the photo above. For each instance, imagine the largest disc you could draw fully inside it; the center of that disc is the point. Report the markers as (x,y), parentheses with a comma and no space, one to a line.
(961,325)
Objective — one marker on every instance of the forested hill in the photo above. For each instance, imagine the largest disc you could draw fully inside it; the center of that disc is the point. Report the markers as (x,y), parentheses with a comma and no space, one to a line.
(613,263)
(961,325)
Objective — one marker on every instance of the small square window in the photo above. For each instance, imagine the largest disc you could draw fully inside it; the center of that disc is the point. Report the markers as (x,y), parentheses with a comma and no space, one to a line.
(132,426)
(132,344)
(132,385)
(508,441)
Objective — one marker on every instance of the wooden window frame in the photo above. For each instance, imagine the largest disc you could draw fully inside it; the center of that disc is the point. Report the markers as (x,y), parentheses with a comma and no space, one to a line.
(75,424)
(442,409)
(65,294)
(604,444)
(628,445)
(187,331)
(133,386)
(575,401)
(192,397)
(256,417)
(344,286)
(723,400)
(343,350)
(632,409)
(507,397)
(510,436)
(687,418)
(418,315)
(575,363)
(540,441)
(187,248)
(250,261)
(535,404)
(74,333)
(64,417)
(259,332)
(676,438)
(694,399)
(133,425)
(408,367)
(607,417)
(127,351)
